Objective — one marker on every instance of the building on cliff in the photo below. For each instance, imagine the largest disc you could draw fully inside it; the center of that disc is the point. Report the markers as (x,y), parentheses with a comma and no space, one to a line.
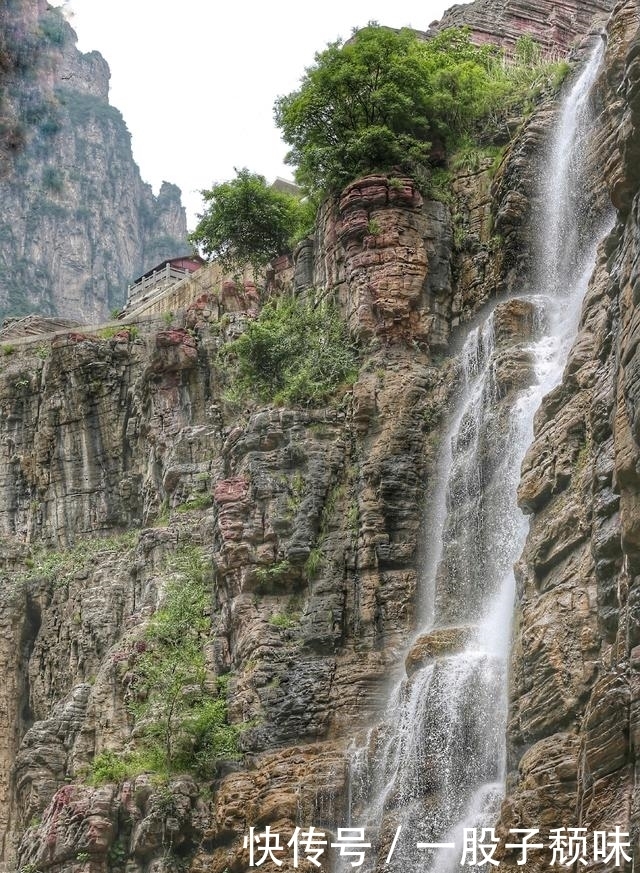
(161,277)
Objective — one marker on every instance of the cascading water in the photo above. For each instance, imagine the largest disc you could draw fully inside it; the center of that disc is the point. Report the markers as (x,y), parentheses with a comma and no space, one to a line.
(436,763)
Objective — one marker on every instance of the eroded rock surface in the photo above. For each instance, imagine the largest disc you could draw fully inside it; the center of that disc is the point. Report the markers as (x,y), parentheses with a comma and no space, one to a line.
(574,684)
(118,449)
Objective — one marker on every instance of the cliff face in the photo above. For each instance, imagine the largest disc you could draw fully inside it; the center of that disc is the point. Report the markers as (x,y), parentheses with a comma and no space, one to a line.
(574,714)
(121,451)
(77,221)
(556,26)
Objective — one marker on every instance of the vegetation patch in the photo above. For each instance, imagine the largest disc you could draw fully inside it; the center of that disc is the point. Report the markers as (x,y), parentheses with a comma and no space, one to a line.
(53,27)
(293,353)
(284,620)
(272,575)
(109,332)
(383,100)
(62,565)
(314,562)
(199,501)
(247,222)
(181,724)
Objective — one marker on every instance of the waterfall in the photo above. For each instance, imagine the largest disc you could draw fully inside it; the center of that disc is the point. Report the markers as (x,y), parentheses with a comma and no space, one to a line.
(436,762)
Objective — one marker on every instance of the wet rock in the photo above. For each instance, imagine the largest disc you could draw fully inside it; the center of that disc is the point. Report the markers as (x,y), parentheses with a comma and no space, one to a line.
(437,644)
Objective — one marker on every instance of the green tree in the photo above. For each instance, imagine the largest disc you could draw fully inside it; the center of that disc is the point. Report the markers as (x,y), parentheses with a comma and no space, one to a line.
(362,105)
(246,222)
(381,100)
(293,352)
(181,724)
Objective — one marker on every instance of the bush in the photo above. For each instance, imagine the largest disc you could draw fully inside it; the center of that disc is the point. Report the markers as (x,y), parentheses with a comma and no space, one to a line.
(132,331)
(294,353)
(284,620)
(379,101)
(362,105)
(60,566)
(108,767)
(53,27)
(246,222)
(181,725)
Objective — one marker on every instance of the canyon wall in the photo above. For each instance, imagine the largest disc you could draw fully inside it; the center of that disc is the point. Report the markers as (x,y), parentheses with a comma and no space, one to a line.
(574,685)
(123,448)
(77,223)
(555,26)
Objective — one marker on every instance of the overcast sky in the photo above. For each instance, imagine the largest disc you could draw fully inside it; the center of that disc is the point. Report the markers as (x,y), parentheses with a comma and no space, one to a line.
(196,79)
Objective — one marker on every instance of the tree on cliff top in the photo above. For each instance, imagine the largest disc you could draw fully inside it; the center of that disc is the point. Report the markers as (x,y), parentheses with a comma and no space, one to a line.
(379,101)
(246,222)
(362,105)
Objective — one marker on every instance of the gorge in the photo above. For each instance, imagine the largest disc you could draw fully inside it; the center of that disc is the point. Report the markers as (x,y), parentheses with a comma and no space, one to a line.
(341,576)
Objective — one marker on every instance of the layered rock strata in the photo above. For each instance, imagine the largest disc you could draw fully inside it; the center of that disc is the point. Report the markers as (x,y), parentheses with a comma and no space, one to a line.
(312,523)
(574,687)
(554,26)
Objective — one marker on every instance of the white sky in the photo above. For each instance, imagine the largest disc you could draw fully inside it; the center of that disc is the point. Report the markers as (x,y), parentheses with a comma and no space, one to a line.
(196,79)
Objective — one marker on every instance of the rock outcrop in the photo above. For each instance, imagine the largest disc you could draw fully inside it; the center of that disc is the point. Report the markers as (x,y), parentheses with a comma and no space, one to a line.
(575,687)
(77,223)
(555,26)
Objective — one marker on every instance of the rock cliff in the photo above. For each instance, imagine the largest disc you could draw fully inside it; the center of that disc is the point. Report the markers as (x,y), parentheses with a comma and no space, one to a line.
(573,720)
(77,221)
(556,27)
(121,451)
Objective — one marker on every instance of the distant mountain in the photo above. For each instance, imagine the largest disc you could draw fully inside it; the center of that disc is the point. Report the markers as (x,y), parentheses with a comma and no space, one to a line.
(77,222)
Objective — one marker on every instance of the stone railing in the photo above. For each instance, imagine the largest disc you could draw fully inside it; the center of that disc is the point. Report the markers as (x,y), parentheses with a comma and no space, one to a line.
(168,275)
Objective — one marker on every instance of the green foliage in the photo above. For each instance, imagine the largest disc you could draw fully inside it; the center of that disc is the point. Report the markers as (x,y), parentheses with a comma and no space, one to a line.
(53,179)
(360,106)
(469,155)
(273,574)
(197,501)
(53,26)
(284,620)
(108,767)
(60,565)
(380,100)
(294,353)
(313,563)
(307,213)
(180,723)
(117,854)
(8,349)
(246,222)
(109,332)
(527,51)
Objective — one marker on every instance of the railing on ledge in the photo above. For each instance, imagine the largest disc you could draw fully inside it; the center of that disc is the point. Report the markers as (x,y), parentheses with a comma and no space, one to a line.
(167,276)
